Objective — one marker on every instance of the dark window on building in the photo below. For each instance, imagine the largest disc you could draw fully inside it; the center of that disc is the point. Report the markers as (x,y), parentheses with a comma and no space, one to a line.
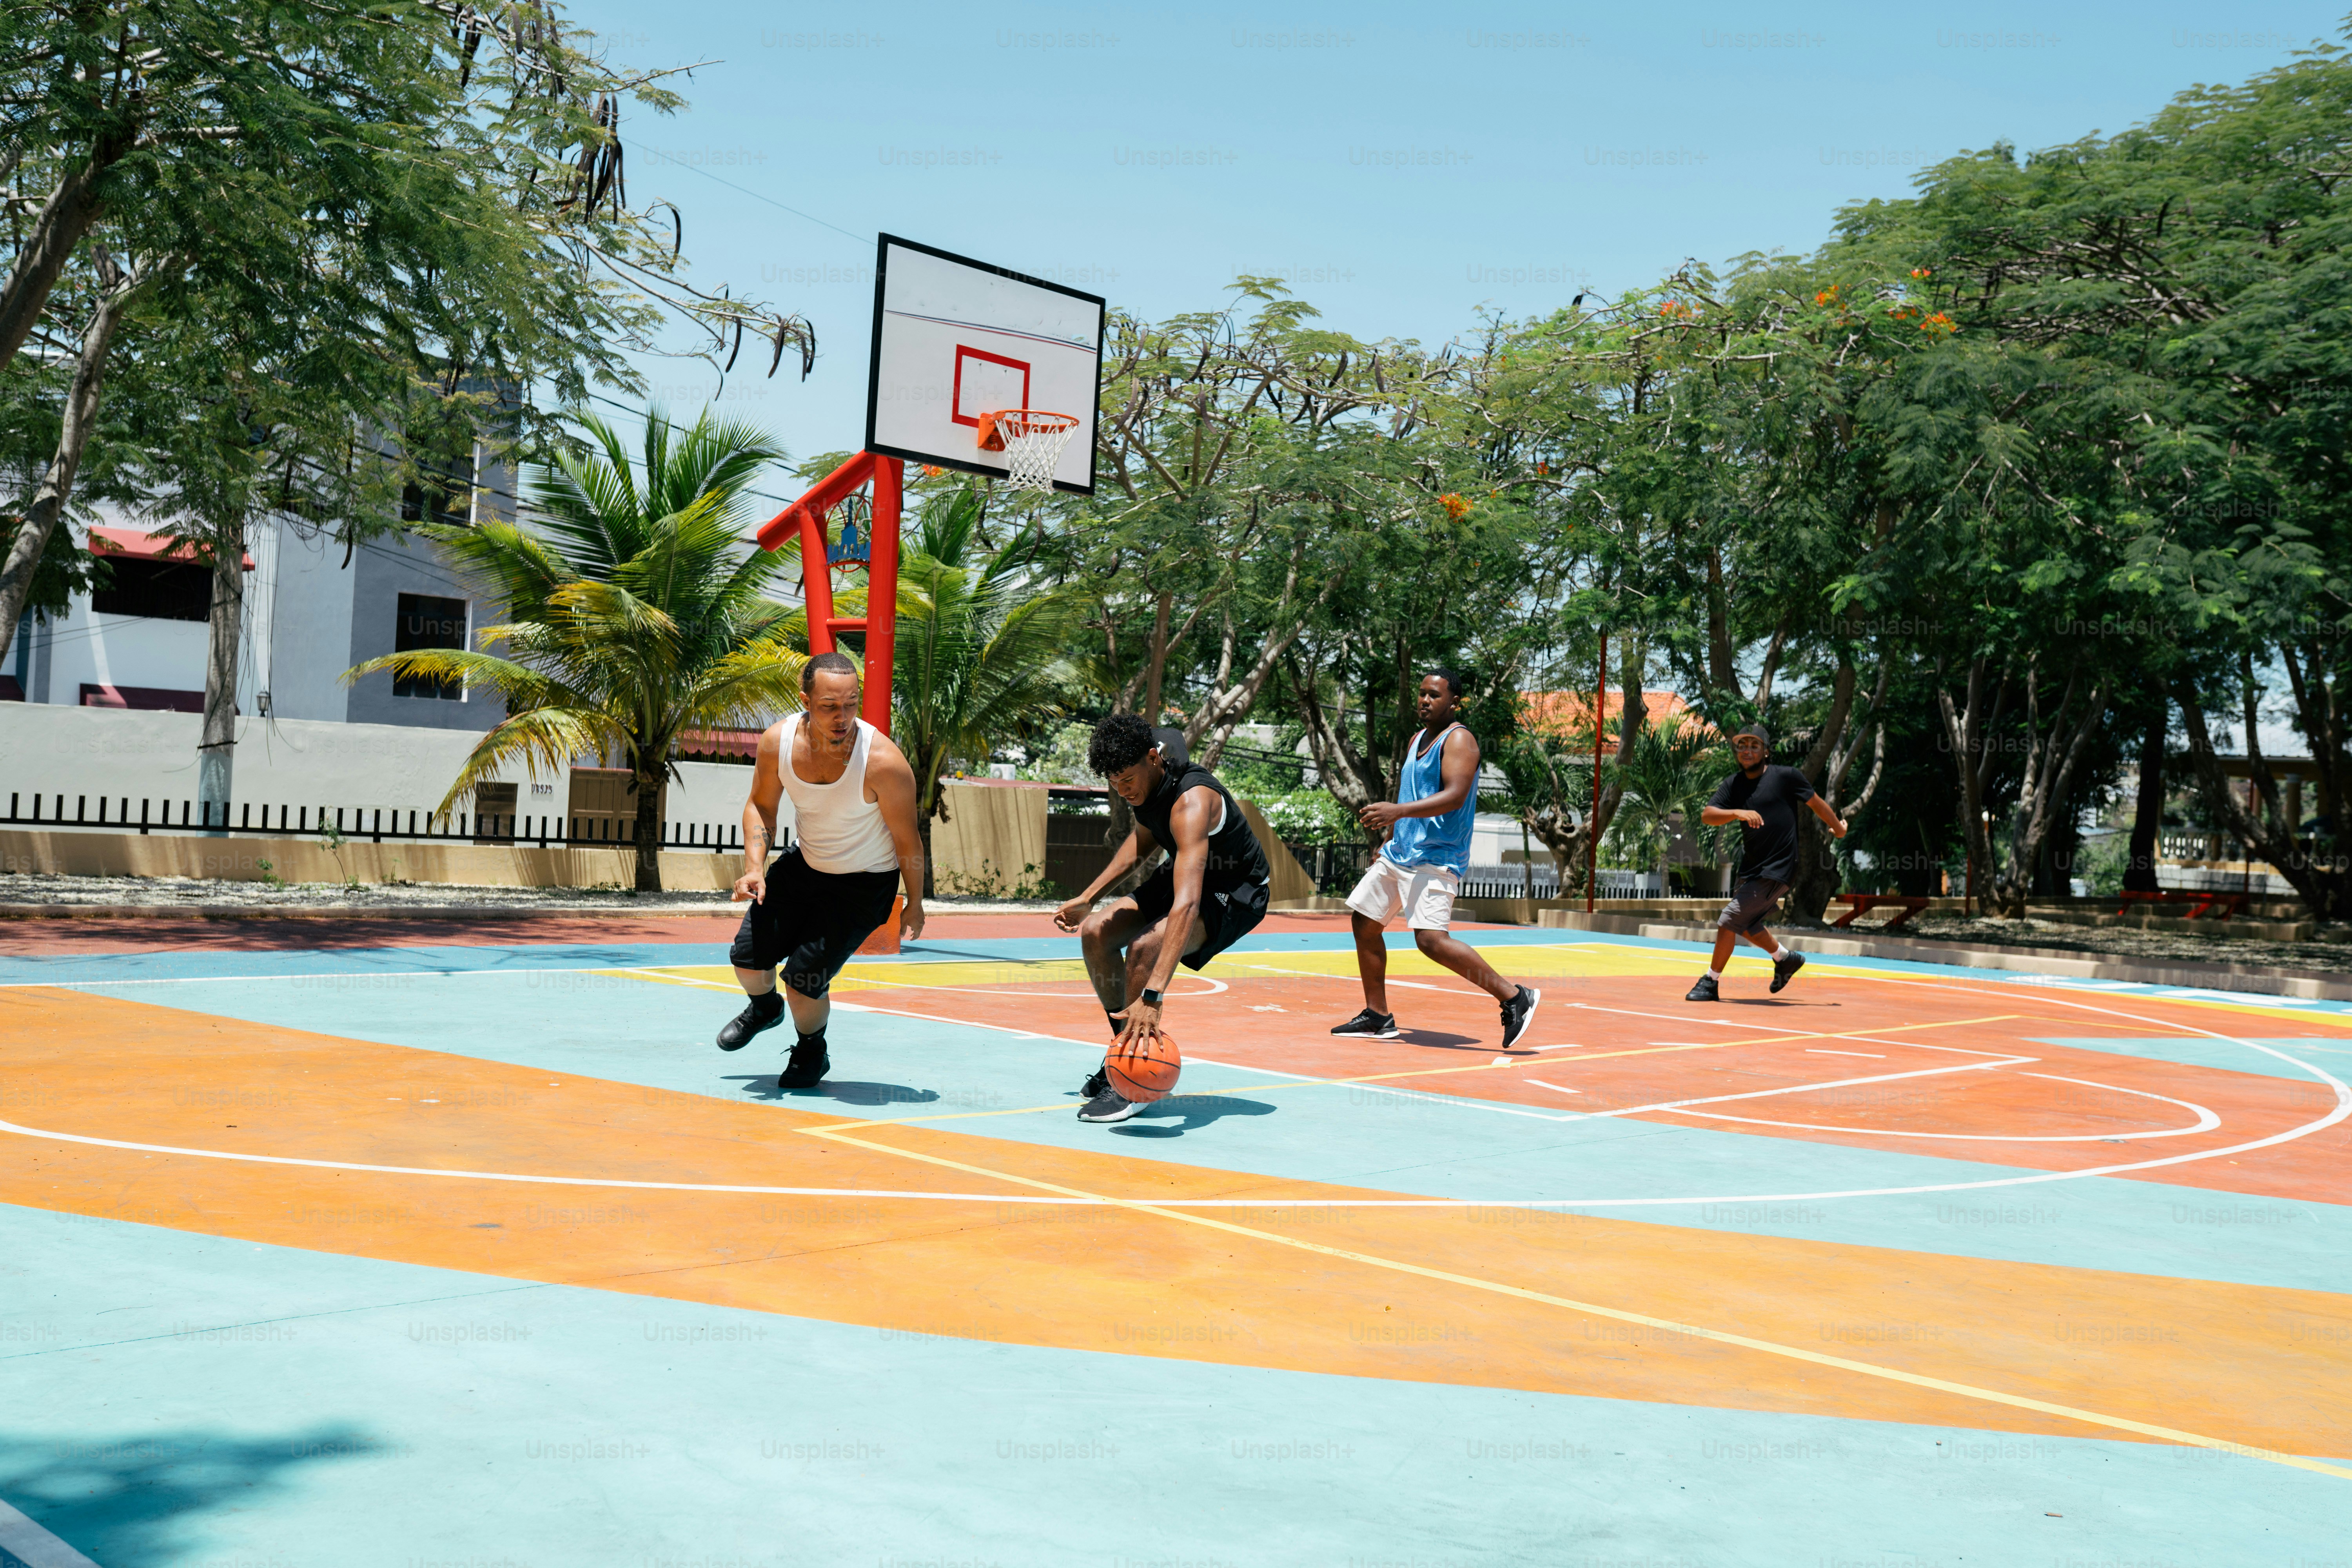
(165,590)
(426,622)
(439,495)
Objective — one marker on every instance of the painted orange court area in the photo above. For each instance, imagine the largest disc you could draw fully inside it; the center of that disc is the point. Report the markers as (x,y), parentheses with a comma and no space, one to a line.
(933,1223)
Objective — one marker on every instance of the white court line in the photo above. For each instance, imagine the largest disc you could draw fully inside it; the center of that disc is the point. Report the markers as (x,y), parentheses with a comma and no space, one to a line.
(1317,974)
(677,979)
(2206,1122)
(36,1547)
(1807,1087)
(1821,1051)
(1675,1017)
(2342,1110)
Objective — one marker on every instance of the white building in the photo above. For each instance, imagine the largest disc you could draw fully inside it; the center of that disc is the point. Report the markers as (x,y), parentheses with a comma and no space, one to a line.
(313,609)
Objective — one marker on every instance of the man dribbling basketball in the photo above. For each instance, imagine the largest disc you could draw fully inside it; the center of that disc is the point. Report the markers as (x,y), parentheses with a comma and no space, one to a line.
(1213,892)
(854,796)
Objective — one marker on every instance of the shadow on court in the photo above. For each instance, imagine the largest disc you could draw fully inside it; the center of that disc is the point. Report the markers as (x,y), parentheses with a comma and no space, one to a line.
(1443,1042)
(764,1086)
(1181,1113)
(128,1498)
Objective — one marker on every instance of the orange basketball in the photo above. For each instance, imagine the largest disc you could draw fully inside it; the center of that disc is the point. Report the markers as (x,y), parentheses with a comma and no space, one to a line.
(1146,1071)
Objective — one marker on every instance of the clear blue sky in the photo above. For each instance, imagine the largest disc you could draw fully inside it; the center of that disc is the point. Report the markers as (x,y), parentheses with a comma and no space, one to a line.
(1404,167)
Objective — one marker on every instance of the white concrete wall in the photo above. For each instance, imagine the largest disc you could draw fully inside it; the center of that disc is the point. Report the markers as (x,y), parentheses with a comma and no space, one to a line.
(121,650)
(303,610)
(100,752)
(1491,835)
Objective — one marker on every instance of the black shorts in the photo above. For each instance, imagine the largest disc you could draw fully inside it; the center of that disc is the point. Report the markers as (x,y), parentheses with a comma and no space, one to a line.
(811,922)
(1225,916)
(1751,902)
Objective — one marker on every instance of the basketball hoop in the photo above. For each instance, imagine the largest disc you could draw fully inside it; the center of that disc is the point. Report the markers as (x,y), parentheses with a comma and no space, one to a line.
(1031,441)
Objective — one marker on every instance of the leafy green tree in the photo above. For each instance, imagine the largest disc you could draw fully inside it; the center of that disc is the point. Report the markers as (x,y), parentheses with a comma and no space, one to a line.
(632,611)
(981,657)
(1670,771)
(335,222)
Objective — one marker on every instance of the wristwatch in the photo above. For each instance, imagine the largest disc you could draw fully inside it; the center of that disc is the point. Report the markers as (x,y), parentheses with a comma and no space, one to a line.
(1150,998)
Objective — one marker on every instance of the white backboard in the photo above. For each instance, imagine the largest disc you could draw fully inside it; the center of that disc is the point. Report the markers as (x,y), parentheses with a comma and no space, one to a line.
(955,338)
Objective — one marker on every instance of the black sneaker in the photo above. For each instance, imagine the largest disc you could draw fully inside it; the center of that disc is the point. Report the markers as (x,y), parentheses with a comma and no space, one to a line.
(1110,1106)
(1704,991)
(1096,1081)
(1369,1025)
(1785,969)
(808,1065)
(1517,1013)
(737,1031)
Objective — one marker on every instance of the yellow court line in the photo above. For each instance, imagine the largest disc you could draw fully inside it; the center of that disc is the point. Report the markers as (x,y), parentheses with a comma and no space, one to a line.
(1772,1040)
(1718,1336)
(1954,983)
(1306,1082)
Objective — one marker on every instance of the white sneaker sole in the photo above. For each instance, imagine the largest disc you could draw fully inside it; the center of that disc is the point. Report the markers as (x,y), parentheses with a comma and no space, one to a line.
(1129,1109)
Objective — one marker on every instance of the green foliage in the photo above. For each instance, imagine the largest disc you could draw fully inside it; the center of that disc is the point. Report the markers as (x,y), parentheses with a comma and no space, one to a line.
(979,660)
(1307,817)
(1667,774)
(631,611)
(1061,758)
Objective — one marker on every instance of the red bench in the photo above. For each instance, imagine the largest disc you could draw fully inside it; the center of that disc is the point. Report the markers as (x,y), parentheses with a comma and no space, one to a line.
(1864,902)
(2200,903)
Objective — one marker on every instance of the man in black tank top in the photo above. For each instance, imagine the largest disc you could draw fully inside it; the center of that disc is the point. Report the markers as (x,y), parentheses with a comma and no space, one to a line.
(1211,892)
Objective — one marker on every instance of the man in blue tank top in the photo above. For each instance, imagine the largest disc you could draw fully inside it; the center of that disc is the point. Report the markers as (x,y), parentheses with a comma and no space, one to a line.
(1420,869)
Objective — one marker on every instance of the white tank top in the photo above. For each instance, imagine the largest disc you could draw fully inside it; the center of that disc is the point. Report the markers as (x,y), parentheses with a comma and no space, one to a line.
(838,828)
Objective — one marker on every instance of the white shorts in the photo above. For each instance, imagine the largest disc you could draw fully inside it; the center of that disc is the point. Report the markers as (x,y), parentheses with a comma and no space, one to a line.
(1424,893)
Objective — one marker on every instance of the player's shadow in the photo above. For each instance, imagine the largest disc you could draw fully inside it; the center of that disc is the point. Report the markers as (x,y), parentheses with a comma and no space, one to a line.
(765,1086)
(1181,1113)
(1443,1041)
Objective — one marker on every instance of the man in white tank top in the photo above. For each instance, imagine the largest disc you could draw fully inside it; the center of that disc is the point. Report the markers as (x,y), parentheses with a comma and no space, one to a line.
(854,794)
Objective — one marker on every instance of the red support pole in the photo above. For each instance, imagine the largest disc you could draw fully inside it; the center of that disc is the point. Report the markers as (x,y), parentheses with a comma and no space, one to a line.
(816,581)
(880,623)
(882,588)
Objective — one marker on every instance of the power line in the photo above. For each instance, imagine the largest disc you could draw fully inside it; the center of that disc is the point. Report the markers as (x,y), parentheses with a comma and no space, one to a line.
(673,158)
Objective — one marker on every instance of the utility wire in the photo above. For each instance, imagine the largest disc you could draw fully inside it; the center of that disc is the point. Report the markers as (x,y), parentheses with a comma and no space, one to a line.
(672,159)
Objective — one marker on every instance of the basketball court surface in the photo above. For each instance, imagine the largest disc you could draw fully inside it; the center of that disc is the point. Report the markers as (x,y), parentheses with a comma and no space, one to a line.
(464,1245)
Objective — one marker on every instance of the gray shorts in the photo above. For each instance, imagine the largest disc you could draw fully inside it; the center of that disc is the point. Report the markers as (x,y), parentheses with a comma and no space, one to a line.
(1751,902)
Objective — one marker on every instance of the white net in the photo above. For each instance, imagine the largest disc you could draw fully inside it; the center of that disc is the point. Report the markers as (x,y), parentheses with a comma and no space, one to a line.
(1033,445)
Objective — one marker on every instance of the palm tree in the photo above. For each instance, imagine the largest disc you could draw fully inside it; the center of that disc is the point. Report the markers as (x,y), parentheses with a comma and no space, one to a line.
(983,654)
(632,613)
(1671,770)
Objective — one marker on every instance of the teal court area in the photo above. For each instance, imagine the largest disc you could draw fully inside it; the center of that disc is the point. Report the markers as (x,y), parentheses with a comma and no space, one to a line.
(475,1252)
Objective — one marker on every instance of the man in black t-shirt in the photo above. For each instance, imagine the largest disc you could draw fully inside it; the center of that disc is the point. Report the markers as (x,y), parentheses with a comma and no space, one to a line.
(1763,797)
(1211,892)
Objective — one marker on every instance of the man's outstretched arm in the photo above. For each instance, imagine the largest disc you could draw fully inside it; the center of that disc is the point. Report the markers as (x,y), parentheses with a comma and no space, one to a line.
(1830,820)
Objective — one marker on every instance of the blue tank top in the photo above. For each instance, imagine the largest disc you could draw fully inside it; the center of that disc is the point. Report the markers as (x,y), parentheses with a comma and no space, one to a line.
(1431,840)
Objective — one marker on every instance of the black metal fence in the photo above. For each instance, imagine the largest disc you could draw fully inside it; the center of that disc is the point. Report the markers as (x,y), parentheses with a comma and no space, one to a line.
(377,825)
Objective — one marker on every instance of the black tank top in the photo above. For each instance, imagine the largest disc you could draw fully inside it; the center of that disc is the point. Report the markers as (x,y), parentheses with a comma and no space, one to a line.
(1234,858)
